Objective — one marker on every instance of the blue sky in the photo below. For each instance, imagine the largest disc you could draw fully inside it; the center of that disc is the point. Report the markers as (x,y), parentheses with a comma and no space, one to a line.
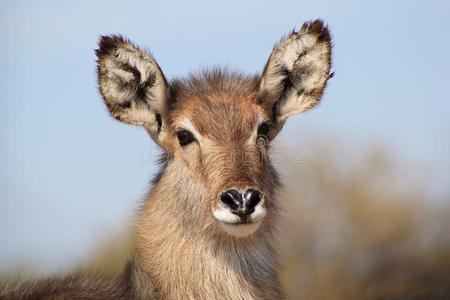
(68,172)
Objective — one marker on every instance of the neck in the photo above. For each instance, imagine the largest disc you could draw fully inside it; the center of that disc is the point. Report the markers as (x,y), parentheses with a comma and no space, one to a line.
(181,253)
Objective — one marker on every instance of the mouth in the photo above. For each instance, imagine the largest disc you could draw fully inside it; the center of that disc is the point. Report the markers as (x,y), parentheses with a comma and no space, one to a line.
(235,225)
(240,229)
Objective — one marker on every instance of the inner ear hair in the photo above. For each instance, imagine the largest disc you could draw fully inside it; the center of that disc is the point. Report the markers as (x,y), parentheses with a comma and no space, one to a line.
(129,79)
(297,71)
(132,84)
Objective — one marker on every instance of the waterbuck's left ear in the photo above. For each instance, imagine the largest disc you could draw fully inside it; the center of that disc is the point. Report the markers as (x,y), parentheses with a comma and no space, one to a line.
(132,85)
(296,74)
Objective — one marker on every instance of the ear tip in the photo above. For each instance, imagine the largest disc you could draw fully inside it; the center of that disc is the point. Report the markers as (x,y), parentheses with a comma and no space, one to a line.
(108,43)
(313,24)
(317,27)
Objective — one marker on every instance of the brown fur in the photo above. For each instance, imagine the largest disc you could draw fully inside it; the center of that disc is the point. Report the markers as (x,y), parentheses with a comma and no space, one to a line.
(74,286)
(180,249)
(218,266)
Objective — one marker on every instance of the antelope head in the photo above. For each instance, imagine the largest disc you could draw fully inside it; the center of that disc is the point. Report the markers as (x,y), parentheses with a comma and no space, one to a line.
(217,127)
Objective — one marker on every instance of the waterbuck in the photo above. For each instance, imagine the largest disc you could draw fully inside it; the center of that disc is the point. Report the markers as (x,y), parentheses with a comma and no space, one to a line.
(206,229)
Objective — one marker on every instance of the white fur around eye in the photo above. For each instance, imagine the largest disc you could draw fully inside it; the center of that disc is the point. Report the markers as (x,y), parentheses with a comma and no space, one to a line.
(186,124)
(253,137)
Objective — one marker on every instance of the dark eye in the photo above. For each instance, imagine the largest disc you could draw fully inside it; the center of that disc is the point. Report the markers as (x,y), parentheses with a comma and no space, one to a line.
(263,129)
(185,137)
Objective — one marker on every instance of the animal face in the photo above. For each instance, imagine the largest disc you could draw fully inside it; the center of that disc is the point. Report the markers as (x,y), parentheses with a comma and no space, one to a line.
(222,137)
(217,126)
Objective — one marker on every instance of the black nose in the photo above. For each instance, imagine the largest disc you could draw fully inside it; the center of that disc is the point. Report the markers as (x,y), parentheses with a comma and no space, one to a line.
(251,199)
(232,198)
(241,204)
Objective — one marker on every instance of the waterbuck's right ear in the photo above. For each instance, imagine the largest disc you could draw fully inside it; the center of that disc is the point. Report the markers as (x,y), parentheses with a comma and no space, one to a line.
(132,85)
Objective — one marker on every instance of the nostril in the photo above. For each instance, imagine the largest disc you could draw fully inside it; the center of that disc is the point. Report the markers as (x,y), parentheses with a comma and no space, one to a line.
(241,204)
(231,198)
(252,198)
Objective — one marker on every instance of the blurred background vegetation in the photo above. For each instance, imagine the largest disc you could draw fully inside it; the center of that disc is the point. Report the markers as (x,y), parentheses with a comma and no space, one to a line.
(363,227)
(366,215)
(354,227)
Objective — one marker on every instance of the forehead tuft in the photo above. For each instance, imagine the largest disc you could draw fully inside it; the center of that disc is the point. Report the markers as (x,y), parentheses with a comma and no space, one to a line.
(213,82)
(216,99)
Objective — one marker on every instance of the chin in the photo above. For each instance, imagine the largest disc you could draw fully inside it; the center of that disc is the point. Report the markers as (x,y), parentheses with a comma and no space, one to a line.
(240,230)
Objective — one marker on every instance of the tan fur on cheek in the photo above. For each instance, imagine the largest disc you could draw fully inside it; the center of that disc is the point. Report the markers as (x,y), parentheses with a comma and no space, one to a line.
(190,155)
